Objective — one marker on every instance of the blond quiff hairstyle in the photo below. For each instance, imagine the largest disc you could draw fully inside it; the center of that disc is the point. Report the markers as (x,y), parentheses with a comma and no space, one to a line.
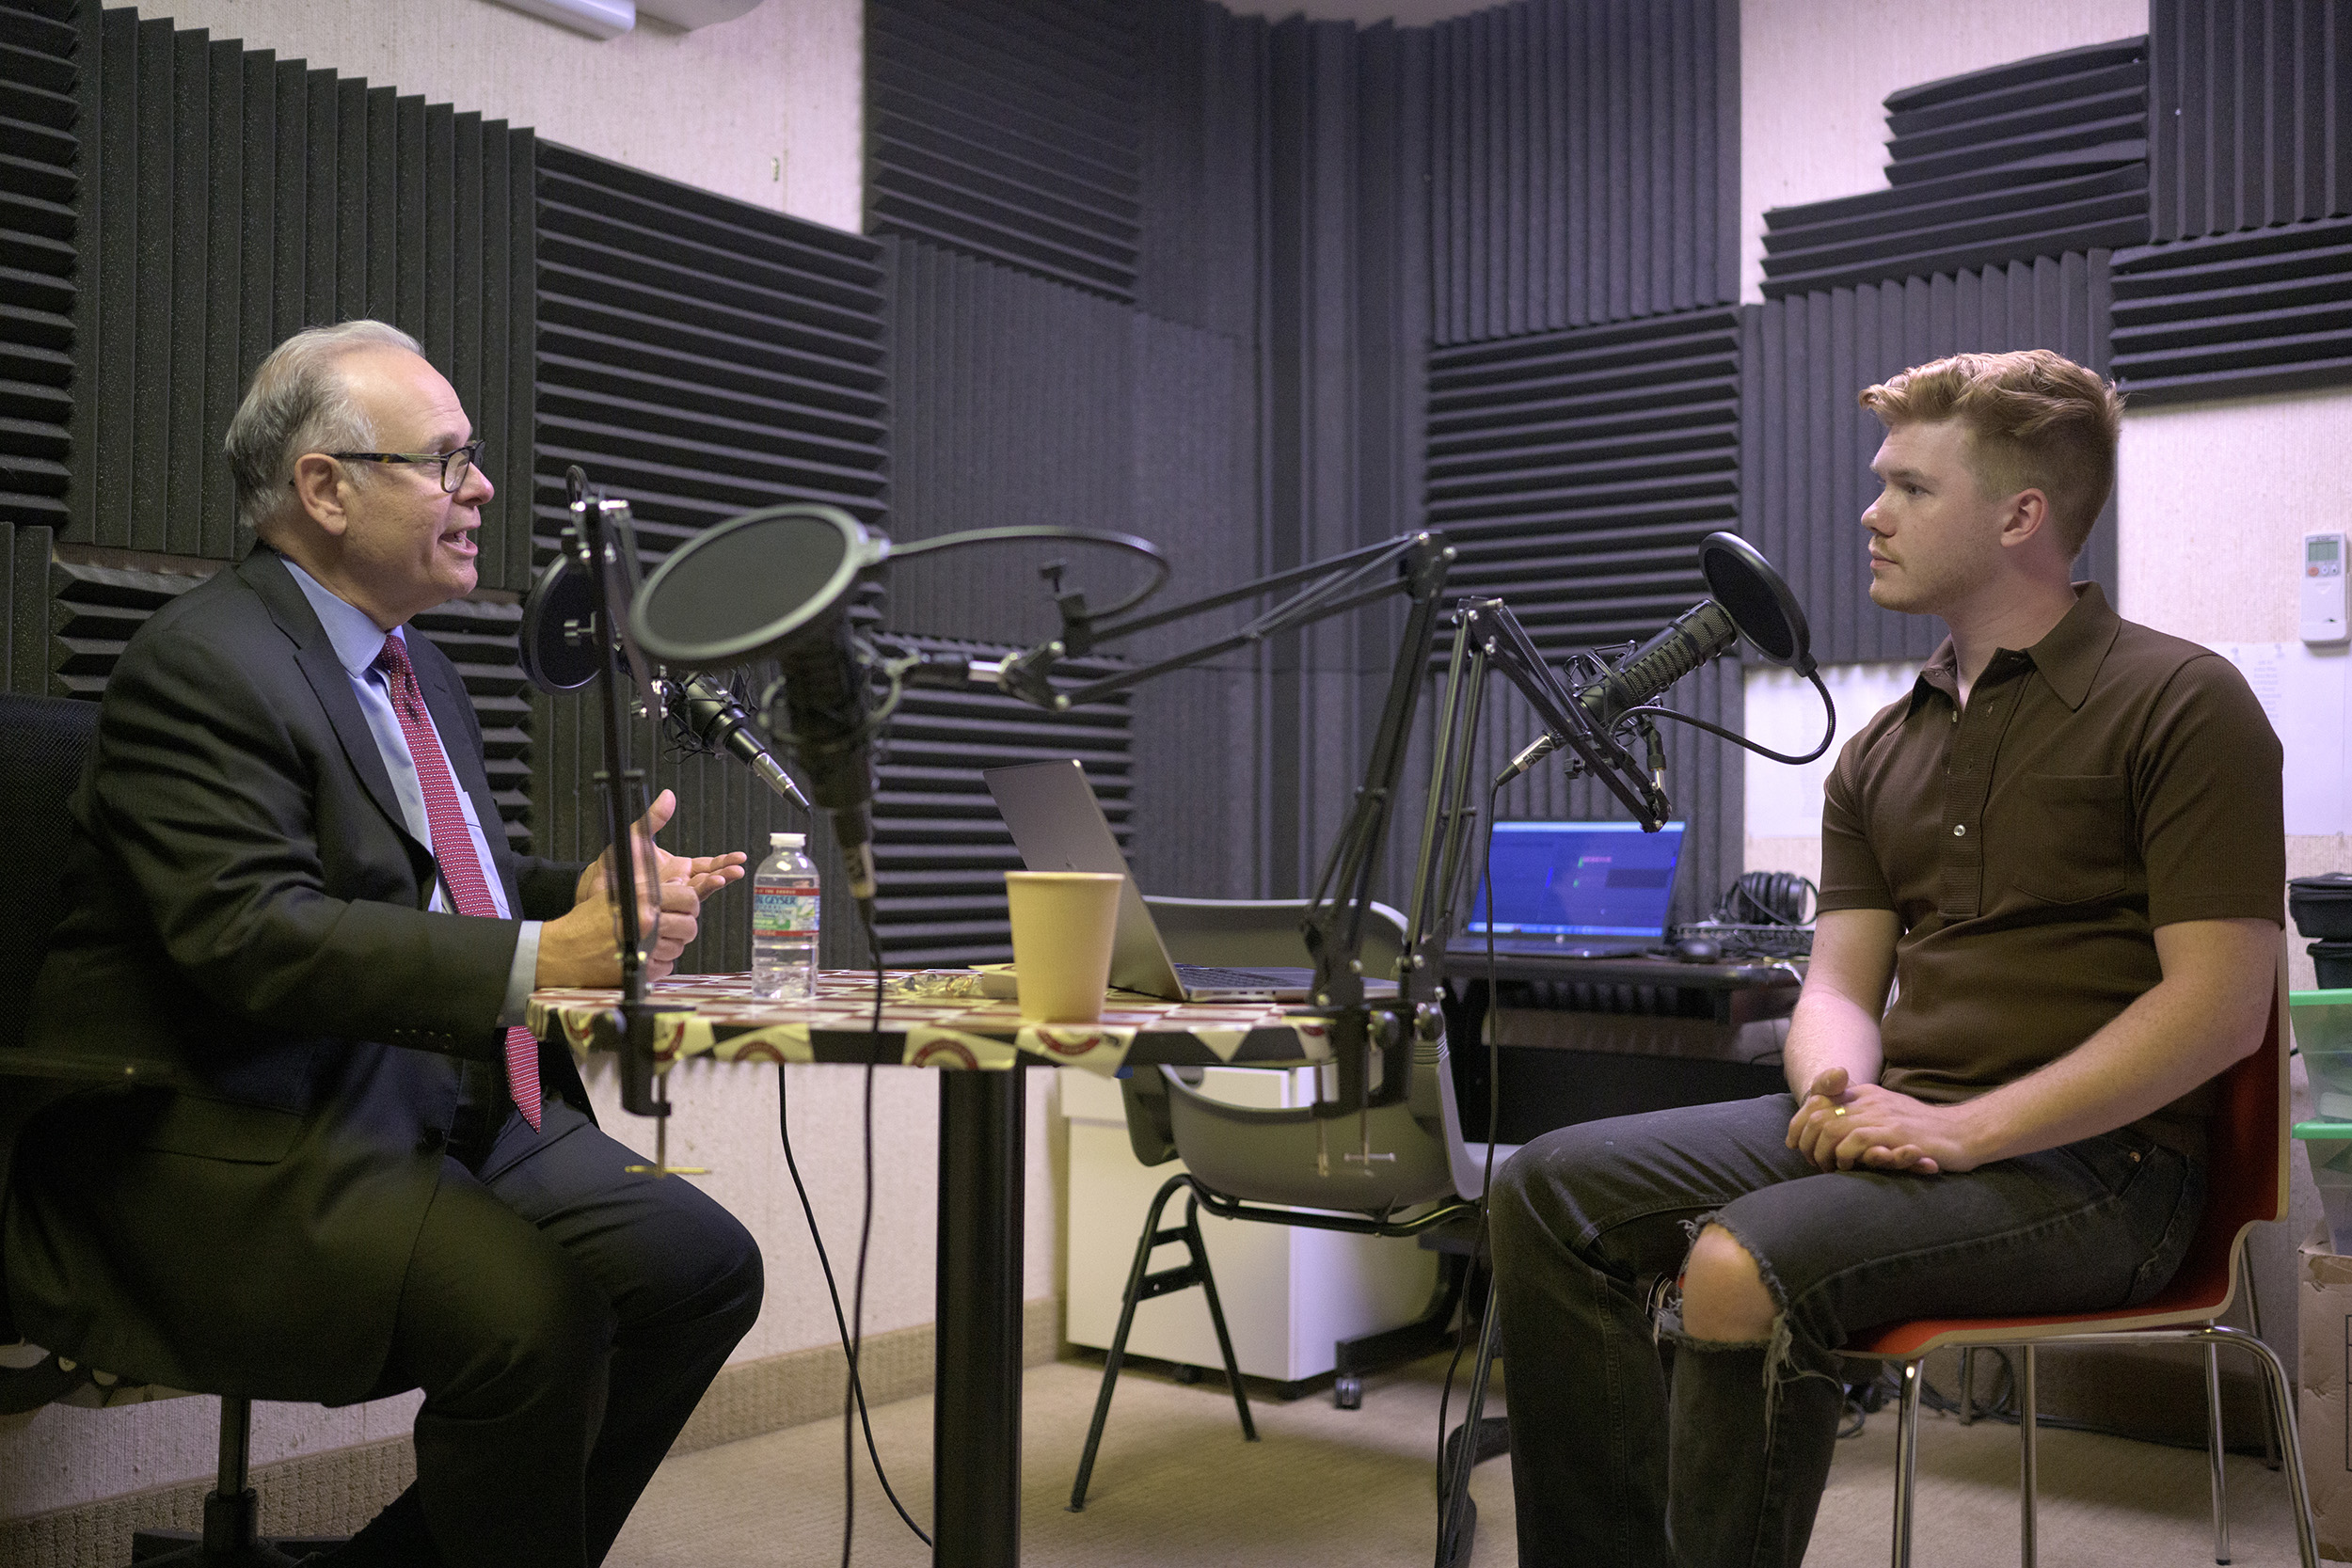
(2036,421)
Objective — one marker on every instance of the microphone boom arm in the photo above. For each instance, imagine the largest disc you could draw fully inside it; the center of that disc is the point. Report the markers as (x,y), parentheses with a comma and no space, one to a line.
(1414,564)
(1499,641)
(1488,636)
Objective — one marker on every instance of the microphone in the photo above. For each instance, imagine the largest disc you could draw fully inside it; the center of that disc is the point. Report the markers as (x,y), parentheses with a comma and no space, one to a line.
(712,716)
(1747,598)
(778,583)
(1698,634)
(827,697)
(1692,638)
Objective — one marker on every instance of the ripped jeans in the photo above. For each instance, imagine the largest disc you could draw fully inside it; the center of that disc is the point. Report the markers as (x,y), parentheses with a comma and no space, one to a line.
(1615,1464)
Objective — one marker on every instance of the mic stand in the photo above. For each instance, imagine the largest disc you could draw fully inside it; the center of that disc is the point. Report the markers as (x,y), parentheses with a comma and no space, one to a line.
(606,549)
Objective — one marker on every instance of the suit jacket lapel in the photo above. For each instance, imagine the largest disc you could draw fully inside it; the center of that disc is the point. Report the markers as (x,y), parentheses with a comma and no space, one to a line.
(314,655)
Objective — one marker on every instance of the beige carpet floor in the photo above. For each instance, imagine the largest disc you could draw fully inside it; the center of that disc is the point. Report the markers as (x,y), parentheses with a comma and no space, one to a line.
(1176,1487)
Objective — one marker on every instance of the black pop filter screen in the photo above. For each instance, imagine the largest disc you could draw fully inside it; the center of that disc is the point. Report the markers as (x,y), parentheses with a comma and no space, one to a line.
(748,585)
(1754,611)
(1745,583)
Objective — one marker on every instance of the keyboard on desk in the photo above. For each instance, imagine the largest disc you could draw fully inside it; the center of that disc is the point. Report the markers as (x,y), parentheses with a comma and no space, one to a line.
(1283,983)
(1210,977)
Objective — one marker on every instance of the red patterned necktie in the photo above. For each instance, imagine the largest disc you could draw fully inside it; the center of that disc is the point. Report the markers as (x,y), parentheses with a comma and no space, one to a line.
(452,846)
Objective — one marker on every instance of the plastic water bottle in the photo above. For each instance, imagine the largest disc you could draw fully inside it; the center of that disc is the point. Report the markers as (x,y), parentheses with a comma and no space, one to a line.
(784,922)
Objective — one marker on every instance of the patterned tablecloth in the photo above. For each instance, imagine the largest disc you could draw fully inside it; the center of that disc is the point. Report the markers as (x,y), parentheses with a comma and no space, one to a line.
(726,1021)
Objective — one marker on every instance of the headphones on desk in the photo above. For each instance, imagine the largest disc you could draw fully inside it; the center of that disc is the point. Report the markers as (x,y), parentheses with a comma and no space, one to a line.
(1768,898)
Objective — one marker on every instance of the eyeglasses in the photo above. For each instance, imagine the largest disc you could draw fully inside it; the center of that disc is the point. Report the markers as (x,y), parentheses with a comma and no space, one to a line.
(452,464)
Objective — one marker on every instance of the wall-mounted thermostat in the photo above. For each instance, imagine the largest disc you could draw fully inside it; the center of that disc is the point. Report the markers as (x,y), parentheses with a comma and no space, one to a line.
(2324,611)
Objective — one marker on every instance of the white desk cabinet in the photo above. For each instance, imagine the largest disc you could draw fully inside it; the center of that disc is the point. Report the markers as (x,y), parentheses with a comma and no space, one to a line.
(1290,1294)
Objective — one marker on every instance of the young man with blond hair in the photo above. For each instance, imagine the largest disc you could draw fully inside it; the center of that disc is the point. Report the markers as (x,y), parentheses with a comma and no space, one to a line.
(2061,853)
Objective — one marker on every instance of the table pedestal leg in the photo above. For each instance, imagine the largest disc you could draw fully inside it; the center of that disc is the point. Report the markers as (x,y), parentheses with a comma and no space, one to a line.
(976,1421)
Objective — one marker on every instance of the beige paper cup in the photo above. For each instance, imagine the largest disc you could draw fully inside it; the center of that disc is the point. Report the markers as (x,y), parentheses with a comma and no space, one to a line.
(1062,925)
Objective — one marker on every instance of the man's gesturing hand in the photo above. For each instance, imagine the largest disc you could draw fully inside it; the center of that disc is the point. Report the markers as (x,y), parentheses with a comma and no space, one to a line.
(706,874)
(582,947)
(1842,1125)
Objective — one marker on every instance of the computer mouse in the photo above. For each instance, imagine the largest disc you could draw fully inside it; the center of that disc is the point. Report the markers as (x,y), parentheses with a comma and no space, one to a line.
(1698,950)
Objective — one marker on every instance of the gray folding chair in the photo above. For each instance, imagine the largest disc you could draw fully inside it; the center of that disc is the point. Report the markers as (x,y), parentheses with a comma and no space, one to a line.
(1240,1160)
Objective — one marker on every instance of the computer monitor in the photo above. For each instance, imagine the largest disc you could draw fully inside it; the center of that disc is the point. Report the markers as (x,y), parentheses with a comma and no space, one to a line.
(1606,881)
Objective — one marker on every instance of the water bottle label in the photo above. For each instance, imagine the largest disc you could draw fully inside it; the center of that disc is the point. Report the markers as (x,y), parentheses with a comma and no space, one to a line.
(784,911)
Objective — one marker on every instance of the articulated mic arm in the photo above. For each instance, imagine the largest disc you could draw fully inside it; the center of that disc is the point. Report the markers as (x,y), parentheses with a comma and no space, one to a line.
(1489,635)
(1414,564)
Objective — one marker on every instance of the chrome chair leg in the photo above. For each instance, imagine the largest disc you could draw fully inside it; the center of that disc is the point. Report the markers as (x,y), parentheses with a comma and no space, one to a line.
(1967,1386)
(1906,1460)
(2213,1451)
(2279,1399)
(2029,1470)
(2254,1322)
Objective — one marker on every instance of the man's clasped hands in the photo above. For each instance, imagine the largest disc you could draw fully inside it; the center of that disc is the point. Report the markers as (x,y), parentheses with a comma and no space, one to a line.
(1843,1125)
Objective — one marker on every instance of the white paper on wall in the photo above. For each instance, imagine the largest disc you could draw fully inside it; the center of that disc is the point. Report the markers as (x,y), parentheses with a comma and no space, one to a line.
(2303,689)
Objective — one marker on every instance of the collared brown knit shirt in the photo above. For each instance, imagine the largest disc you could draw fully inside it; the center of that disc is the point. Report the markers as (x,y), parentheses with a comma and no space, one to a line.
(2105,781)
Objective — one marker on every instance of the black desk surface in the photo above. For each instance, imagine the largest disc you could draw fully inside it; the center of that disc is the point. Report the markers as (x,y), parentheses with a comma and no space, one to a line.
(1549,1085)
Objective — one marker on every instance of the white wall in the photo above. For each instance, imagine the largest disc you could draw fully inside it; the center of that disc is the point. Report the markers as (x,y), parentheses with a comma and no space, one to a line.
(2214,499)
(767,108)
(1814,75)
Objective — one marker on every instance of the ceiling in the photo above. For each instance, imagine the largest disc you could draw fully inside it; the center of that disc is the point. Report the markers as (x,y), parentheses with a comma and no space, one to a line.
(1411,13)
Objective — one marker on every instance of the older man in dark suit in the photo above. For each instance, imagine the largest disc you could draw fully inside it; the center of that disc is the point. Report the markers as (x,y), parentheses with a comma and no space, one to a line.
(293,882)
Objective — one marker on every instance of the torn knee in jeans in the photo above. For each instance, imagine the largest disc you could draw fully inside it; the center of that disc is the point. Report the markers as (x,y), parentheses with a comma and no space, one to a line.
(1784,1359)
(1728,1296)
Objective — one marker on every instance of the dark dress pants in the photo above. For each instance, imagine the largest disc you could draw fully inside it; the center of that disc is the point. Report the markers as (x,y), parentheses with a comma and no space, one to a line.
(562,1317)
(1614,1465)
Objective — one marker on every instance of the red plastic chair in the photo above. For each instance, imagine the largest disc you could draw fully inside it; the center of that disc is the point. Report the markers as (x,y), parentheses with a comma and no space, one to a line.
(2246,1173)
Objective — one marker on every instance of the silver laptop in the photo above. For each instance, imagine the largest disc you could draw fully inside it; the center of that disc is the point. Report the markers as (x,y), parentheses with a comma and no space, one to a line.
(1059,825)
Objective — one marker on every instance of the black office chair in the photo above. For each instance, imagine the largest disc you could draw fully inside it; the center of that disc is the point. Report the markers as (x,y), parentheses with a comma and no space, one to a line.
(43,744)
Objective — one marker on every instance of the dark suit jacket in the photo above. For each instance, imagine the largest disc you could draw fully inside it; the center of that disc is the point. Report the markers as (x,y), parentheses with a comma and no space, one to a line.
(249,906)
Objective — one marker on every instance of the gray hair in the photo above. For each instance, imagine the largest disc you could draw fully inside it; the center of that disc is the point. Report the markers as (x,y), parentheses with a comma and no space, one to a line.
(298,402)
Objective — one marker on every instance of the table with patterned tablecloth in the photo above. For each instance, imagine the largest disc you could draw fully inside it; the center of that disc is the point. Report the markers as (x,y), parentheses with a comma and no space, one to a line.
(727,1022)
(976,1497)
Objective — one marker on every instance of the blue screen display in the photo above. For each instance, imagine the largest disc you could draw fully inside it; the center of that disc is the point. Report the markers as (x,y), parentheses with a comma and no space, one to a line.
(1578,880)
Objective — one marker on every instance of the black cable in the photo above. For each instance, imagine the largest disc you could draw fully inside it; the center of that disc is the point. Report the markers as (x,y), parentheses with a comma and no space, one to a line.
(1829,732)
(840,1323)
(865,1236)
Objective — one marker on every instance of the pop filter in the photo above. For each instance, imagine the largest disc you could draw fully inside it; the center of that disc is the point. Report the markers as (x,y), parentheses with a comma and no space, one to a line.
(749,587)
(560,606)
(1759,603)
(776,584)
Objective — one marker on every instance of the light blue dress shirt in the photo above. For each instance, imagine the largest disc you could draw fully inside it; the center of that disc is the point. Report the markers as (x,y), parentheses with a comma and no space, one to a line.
(358,641)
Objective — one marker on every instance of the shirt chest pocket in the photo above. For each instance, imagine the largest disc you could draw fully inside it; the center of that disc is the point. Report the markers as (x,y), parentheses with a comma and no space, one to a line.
(2069,837)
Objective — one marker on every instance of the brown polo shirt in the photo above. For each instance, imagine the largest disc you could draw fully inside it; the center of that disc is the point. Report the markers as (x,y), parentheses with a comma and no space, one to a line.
(2107,781)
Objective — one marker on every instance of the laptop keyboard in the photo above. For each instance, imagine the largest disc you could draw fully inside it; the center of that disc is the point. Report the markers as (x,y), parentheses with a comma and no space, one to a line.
(1205,977)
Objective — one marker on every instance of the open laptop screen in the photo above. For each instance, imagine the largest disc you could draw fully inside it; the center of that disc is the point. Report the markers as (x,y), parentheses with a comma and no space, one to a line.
(1578,880)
